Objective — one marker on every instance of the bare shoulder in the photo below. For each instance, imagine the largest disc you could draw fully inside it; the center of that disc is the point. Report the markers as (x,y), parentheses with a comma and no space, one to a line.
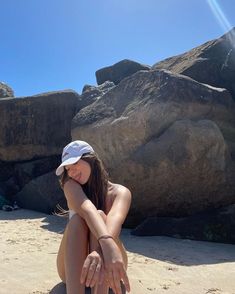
(120,191)
(120,200)
(123,189)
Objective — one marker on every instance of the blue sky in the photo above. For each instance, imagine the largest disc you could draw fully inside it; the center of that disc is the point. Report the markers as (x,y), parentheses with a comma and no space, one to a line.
(51,45)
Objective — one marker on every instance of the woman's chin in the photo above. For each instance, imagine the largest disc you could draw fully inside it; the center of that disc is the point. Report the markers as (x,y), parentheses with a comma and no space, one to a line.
(80,181)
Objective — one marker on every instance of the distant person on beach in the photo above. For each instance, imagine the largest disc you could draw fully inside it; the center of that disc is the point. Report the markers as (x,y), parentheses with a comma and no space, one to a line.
(91,253)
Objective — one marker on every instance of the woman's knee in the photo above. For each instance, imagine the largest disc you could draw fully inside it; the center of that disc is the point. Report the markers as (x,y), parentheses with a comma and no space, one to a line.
(77,222)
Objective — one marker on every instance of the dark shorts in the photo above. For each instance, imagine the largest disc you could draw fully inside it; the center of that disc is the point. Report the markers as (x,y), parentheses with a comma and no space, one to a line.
(88,290)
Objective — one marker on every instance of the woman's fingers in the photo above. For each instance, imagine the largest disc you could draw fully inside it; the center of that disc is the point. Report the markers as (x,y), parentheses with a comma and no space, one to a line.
(110,279)
(102,275)
(106,279)
(91,272)
(85,269)
(117,285)
(115,276)
(125,279)
(95,277)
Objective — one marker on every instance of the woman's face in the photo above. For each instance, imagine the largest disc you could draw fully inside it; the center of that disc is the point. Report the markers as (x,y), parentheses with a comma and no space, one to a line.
(79,171)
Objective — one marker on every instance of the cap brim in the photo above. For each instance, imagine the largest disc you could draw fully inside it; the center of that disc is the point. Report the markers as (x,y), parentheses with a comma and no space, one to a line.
(71,160)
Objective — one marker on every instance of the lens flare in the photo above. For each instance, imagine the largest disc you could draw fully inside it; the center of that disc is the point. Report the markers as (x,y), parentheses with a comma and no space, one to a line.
(223,20)
(219,14)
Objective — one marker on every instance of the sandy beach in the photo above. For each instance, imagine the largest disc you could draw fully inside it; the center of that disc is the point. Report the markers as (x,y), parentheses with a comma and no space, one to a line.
(30,241)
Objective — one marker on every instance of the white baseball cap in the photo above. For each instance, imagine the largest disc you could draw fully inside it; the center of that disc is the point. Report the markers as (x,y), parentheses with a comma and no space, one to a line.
(72,153)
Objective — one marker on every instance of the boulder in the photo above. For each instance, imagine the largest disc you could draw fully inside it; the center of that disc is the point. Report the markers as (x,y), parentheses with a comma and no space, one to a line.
(167,137)
(21,173)
(42,194)
(10,188)
(212,63)
(5,91)
(118,71)
(216,225)
(37,126)
(91,93)
(105,87)
(6,170)
(24,172)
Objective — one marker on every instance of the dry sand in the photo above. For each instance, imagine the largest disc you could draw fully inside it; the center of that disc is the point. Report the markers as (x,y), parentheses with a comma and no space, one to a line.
(30,241)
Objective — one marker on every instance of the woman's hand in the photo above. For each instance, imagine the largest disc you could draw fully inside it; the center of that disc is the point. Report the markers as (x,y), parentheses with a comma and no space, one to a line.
(114,266)
(93,269)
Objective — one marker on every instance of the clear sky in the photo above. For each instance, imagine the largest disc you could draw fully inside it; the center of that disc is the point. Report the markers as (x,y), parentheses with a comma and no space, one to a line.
(50,45)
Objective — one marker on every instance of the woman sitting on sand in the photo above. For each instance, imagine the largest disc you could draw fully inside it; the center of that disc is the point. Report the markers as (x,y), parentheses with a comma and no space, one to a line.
(90,252)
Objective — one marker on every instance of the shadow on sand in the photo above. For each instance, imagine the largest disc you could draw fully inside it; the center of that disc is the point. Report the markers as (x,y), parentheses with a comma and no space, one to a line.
(61,289)
(179,251)
(168,249)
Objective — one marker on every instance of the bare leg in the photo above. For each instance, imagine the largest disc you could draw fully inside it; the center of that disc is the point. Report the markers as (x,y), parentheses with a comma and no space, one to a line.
(103,288)
(76,250)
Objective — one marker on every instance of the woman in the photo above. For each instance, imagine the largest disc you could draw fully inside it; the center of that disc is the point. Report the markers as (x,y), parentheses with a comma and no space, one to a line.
(90,252)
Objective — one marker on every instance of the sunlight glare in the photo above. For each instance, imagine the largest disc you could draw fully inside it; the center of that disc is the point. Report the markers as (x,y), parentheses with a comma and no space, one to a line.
(222,19)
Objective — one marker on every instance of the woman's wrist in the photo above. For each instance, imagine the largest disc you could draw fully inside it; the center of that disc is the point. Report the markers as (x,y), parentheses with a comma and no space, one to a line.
(104,237)
(106,242)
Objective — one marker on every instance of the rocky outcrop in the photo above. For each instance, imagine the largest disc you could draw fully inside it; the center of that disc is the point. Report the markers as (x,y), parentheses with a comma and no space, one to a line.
(212,63)
(217,225)
(37,126)
(167,135)
(168,138)
(92,93)
(119,71)
(5,91)
(21,173)
(6,170)
(33,132)
(24,172)
(42,194)
(103,88)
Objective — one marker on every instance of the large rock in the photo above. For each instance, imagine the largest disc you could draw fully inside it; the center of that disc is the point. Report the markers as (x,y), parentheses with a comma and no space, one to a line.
(42,194)
(17,175)
(6,170)
(5,91)
(92,93)
(37,126)
(117,72)
(9,188)
(217,225)
(103,88)
(168,138)
(8,183)
(212,63)
(24,172)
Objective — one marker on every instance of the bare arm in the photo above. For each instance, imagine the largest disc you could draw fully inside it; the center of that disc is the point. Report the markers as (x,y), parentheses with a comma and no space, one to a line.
(118,212)
(78,201)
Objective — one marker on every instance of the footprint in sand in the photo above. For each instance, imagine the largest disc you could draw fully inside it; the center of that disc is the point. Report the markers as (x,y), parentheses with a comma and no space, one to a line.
(213,291)
(171,268)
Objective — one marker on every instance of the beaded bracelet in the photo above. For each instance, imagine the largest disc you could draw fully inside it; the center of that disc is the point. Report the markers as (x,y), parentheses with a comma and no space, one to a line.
(104,237)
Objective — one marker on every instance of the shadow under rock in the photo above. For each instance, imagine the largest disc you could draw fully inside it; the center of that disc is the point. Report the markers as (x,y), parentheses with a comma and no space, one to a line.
(50,222)
(54,223)
(178,251)
(20,214)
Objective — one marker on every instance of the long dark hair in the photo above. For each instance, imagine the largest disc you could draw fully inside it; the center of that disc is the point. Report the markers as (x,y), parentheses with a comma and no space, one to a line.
(96,187)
